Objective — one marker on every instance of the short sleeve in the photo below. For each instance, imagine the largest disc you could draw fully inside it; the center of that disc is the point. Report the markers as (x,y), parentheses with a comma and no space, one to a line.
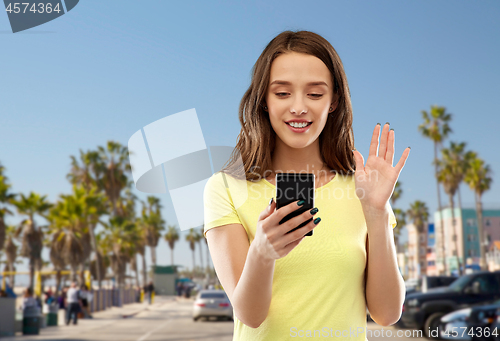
(217,204)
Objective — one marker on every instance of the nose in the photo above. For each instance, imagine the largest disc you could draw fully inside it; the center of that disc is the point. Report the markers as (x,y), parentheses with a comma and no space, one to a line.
(298,106)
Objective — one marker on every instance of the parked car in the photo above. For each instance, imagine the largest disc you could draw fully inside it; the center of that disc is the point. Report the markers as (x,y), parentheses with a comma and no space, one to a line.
(474,323)
(428,282)
(424,284)
(425,310)
(210,303)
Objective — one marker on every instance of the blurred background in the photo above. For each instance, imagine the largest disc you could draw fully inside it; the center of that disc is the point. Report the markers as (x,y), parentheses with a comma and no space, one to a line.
(75,89)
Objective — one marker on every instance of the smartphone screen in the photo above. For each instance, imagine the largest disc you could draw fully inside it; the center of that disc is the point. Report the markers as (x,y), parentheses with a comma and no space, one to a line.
(291,187)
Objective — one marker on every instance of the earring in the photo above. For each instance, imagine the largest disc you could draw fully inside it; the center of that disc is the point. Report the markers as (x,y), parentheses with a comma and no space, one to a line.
(265,108)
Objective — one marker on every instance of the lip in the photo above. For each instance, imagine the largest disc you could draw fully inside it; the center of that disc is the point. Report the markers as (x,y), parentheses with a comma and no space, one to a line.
(299,130)
(298,121)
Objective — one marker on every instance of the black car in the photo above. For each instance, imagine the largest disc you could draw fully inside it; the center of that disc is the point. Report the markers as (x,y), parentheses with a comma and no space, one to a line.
(424,284)
(430,282)
(424,310)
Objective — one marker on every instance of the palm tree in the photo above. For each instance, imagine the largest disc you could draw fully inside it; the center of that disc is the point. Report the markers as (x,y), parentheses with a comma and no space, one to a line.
(69,225)
(6,198)
(478,177)
(89,174)
(436,128)
(207,250)
(153,224)
(419,215)
(171,237)
(32,235)
(10,251)
(451,174)
(400,216)
(122,237)
(199,236)
(192,238)
(117,168)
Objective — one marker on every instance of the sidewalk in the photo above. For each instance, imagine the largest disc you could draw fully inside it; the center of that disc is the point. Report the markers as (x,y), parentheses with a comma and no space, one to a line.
(100,320)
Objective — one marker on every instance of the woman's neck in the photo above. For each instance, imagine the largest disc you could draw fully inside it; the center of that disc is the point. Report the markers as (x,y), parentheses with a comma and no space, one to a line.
(303,160)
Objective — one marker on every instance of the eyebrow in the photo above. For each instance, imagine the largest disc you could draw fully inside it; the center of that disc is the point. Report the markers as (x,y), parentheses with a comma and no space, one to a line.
(288,83)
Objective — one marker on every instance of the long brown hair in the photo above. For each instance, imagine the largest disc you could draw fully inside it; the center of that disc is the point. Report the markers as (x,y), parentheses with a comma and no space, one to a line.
(256,141)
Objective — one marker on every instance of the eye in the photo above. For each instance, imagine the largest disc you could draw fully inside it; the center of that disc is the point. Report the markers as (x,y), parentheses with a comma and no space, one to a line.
(285,93)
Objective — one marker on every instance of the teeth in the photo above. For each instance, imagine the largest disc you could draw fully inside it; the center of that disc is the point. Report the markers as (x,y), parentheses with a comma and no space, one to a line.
(298,125)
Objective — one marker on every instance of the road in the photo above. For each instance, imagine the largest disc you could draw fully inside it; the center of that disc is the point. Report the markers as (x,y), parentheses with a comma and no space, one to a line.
(167,319)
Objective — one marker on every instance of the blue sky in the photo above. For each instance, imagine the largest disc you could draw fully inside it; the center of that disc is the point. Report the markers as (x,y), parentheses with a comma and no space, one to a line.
(108,68)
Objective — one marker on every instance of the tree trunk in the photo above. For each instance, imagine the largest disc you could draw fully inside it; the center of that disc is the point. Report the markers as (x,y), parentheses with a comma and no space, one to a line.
(172,256)
(464,256)
(482,240)
(32,272)
(193,262)
(137,284)
(11,278)
(454,222)
(153,255)
(144,271)
(443,248)
(417,253)
(201,258)
(208,258)
(58,283)
(94,248)
(73,273)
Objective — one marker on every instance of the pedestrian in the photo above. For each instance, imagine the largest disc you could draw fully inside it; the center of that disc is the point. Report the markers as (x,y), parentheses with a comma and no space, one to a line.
(61,299)
(298,119)
(179,289)
(150,288)
(84,297)
(73,303)
(28,300)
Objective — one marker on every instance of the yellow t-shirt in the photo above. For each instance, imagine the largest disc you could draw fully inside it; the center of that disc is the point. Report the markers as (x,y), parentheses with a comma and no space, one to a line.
(318,289)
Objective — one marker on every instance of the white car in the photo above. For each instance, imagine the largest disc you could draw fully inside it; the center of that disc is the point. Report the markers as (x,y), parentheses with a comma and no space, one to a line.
(212,303)
(454,325)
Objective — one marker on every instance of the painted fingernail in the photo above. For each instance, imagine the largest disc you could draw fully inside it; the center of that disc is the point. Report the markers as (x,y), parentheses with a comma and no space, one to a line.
(392,129)
(300,203)
(271,201)
(317,220)
(387,123)
(314,210)
(409,147)
(378,123)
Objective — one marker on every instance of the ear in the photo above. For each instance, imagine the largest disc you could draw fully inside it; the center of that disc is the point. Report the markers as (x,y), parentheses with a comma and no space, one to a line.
(335,101)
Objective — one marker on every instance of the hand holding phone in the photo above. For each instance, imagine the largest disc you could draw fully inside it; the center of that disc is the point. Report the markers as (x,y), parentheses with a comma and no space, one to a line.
(274,240)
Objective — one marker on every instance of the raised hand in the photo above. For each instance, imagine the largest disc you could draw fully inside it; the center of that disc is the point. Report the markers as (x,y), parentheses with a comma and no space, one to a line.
(376,180)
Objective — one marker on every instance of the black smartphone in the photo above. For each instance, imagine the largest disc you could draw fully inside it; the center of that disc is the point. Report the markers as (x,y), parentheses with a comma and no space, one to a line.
(291,187)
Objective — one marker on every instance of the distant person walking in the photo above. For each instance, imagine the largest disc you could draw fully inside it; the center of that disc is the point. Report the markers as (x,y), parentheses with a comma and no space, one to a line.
(150,288)
(85,297)
(72,303)
(28,300)
(179,288)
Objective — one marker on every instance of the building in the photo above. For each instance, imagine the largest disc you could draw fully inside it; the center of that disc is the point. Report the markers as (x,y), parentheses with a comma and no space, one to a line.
(431,252)
(417,267)
(493,256)
(462,240)
(165,279)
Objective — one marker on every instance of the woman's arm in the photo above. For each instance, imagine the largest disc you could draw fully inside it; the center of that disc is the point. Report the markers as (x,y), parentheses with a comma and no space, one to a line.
(245,275)
(385,288)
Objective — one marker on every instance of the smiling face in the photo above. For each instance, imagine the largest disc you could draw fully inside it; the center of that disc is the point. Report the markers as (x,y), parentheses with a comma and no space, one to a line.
(295,95)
